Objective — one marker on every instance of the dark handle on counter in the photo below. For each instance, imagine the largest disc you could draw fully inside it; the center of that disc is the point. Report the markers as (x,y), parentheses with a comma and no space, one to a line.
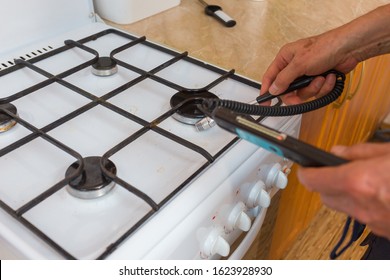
(217,13)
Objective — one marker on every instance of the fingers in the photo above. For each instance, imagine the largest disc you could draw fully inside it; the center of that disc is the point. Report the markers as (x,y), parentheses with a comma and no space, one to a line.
(329,184)
(319,87)
(362,151)
(359,189)
(270,75)
(271,81)
(285,77)
(366,171)
(277,80)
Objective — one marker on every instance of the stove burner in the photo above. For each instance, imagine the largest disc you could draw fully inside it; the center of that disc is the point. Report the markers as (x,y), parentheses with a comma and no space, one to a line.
(189,112)
(92,183)
(7,122)
(104,67)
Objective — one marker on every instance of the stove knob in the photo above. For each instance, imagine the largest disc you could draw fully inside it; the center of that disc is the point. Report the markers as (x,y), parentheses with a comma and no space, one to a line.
(257,196)
(238,219)
(214,243)
(275,177)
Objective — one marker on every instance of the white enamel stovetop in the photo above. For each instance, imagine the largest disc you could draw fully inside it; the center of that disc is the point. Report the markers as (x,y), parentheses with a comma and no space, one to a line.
(191,180)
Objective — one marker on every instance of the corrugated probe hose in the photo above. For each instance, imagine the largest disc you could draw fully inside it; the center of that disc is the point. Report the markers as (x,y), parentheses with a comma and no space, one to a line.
(259,110)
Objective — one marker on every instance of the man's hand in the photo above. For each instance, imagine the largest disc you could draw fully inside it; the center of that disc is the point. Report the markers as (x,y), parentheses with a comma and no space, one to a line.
(360,188)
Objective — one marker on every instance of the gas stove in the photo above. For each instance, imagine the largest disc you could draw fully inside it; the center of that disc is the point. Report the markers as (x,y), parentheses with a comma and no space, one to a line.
(104,154)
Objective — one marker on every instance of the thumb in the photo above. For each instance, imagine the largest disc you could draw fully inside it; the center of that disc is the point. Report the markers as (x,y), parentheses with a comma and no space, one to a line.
(284,79)
(362,151)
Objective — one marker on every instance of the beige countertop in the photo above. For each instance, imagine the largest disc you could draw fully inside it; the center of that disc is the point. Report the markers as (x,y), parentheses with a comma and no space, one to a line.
(262,28)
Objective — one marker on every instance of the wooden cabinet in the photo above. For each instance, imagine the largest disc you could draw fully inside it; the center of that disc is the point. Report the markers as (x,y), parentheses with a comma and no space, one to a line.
(351,119)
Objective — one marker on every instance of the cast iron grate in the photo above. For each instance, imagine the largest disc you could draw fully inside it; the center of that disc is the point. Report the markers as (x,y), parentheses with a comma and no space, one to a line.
(103,101)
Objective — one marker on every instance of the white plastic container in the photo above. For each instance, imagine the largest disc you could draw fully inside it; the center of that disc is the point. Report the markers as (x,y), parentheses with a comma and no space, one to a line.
(128,11)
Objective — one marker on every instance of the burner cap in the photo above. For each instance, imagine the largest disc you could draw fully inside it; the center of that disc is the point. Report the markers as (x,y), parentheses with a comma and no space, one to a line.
(92,183)
(105,66)
(189,112)
(7,122)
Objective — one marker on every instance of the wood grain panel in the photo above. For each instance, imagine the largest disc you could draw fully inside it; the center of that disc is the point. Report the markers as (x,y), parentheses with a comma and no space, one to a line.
(355,121)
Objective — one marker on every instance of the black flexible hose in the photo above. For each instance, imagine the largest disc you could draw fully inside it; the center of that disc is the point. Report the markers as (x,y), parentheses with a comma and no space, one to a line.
(259,110)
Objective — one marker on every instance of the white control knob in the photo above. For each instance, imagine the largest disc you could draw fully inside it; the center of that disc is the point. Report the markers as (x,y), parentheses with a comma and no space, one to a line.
(275,177)
(214,243)
(238,219)
(257,196)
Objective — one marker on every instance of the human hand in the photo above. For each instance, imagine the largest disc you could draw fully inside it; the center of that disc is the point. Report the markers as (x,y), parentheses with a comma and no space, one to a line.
(310,56)
(339,49)
(360,188)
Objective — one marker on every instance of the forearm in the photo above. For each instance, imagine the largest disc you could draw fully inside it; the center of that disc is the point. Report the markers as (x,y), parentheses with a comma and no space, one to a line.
(368,35)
